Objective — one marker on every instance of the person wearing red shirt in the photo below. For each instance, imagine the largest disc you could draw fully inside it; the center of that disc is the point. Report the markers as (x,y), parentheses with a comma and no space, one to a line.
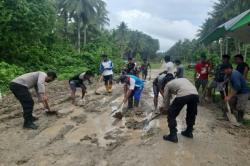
(201,73)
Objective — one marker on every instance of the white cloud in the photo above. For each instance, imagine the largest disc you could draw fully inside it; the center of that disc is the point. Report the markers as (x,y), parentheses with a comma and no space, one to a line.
(167,31)
(166,20)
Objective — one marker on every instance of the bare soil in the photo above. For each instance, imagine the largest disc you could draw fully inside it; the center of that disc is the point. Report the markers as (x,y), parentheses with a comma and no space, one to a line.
(87,135)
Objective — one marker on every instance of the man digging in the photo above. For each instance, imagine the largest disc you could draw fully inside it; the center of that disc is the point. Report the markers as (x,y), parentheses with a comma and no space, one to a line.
(77,81)
(158,87)
(186,94)
(240,90)
(20,88)
(133,87)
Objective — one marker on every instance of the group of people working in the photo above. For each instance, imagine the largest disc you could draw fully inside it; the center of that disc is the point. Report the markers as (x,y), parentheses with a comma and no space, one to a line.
(168,83)
(133,86)
(224,76)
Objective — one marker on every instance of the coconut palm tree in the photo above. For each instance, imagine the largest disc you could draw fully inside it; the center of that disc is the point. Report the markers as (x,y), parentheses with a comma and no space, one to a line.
(84,13)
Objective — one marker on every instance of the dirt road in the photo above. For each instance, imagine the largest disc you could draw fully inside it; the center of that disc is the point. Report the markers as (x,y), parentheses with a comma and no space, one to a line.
(88,136)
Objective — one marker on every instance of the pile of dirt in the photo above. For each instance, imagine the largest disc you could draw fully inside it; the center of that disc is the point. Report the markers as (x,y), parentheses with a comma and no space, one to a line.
(92,138)
(150,133)
(134,124)
(116,137)
(79,119)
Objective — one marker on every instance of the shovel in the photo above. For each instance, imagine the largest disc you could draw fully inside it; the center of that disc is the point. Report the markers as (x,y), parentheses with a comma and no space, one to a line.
(229,114)
(98,83)
(119,108)
(117,113)
(151,118)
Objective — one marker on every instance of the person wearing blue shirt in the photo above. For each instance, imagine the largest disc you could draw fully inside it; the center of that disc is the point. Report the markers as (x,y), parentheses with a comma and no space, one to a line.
(133,87)
(106,69)
(240,90)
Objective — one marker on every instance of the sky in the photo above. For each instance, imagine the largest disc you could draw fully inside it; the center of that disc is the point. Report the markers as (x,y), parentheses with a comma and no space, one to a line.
(166,20)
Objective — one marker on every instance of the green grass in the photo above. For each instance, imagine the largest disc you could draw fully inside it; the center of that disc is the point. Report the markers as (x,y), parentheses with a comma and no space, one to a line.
(189,74)
(246,122)
(156,65)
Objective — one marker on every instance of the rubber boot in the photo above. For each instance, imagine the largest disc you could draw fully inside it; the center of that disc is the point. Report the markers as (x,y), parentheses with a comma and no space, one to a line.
(107,88)
(28,124)
(110,88)
(172,137)
(130,103)
(188,132)
(240,116)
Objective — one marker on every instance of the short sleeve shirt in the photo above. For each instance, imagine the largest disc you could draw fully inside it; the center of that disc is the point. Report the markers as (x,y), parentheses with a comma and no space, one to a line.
(241,67)
(202,70)
(131,84)
(170,67)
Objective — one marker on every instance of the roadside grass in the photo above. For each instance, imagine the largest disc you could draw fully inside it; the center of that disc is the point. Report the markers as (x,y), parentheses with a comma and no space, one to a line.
(155,65)
(189,74)
(246,122)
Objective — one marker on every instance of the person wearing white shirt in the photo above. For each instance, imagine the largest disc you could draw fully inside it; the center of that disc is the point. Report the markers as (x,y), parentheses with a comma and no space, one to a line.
(106,69)
(169,66)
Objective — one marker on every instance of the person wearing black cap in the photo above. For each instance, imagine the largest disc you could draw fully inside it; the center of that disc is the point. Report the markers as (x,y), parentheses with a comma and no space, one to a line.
(106,69)
(20,88)
(186,94)
(219,81)
(240,91)
(158,87)
(242,67)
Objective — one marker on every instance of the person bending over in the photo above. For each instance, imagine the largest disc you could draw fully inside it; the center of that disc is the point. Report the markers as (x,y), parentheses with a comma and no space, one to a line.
(20,88)
(186,94)
(158,87)
(77,81)
(133,87)
(240,91)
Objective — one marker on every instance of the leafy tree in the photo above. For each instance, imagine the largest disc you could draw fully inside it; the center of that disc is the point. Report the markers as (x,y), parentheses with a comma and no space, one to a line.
(84,13)
(121,36)
(24,25)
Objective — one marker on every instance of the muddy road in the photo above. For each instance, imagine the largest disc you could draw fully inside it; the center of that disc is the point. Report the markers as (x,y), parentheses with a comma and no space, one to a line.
(86,135)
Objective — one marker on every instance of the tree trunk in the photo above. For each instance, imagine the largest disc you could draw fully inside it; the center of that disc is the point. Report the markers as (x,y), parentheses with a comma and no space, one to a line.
(85,35)
(221,48)
(79,36)
(65,25)
(245,54)
(226,45)
(239,47)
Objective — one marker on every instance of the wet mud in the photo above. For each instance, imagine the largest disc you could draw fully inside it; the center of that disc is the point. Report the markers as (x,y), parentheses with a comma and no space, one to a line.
(86,134)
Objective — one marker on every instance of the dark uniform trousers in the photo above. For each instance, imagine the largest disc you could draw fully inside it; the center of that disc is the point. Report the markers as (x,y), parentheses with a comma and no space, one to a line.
(191,101)
(23,95)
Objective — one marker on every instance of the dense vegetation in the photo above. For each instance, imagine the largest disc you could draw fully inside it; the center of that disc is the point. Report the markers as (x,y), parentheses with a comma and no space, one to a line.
(223,10)
(66,36)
